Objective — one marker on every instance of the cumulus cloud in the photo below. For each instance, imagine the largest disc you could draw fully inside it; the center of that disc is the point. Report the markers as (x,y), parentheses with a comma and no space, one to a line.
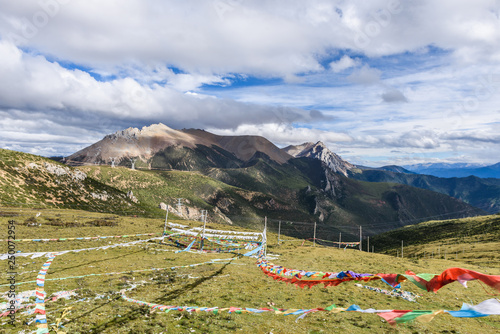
(284,135)
(84,68)
(34,88)
(258,37)
(343,64)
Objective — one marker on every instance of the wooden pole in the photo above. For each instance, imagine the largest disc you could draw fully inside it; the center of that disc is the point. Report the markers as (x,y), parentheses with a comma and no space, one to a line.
(368,248)
(340,238)
(360,237)
(204,224)
(166,218)
(279,231)
(265,236)
(401,248)
(314,237)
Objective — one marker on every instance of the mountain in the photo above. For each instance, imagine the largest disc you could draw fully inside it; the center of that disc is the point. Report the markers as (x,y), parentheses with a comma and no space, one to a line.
(320,152)
(394,168)
(303,189)
(481,193)
(160,147)
(33,181)
(457,170)
(248,176)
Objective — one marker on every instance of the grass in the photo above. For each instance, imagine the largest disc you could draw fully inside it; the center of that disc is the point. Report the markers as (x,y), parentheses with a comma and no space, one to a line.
(471,240)
(239,284)
(32,180)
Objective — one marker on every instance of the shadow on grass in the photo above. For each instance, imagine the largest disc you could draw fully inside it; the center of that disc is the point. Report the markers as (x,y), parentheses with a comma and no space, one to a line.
(139,311)
(96,261)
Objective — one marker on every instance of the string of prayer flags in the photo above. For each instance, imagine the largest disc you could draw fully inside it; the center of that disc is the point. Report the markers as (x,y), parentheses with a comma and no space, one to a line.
(406,295)
(84,238)
(393,317)
(39,254)
(210,244)
(428,282)
(41,318)
(302,278)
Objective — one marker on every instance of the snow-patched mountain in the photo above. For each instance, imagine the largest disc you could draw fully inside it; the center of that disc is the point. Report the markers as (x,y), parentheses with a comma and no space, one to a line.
(321,152)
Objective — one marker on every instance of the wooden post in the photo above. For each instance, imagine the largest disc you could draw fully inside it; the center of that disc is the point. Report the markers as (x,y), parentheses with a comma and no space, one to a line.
(401,248)
(279,231)
(165,226)
(368,247)
(340,238)
(360,237)
(204,224)
(265,236)
(314,237)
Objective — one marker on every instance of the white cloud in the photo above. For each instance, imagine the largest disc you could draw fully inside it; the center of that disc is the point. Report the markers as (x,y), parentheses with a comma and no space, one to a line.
(32,87)
(343,64)
(365,76)
(284,135)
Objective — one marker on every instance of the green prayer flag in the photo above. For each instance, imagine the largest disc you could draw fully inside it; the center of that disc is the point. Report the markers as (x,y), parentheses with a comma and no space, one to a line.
(411,316)
(331,307)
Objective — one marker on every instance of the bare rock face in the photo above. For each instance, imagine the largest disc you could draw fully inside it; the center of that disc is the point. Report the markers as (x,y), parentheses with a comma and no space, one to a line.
(75,175)
(130,195)
(103,196)
(193,213)
(321,152)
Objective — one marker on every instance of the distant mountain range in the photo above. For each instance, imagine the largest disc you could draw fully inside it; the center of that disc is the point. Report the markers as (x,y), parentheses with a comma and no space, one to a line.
(481,193)
(456,170)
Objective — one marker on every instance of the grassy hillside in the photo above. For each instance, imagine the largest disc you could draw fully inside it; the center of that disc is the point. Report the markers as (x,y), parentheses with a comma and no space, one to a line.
(285,192)
(97,307)
(197,190)
(474,240)
(300,191)
(481,193)
(30,180)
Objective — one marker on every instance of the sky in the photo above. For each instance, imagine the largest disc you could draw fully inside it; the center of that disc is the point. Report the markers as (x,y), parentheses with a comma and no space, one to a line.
(379,82)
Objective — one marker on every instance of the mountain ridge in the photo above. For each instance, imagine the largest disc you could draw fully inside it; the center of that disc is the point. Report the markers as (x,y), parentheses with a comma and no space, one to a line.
(457,170)
(145,143)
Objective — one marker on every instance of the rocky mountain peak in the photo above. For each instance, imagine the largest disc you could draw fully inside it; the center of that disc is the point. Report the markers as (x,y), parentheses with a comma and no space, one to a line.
(321,152)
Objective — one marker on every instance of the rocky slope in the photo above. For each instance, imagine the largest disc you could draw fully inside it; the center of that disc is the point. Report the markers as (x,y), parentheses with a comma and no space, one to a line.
(320,152)
(29,180)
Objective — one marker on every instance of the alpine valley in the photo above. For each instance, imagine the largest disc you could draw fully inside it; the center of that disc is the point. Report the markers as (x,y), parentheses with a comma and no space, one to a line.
(239,180)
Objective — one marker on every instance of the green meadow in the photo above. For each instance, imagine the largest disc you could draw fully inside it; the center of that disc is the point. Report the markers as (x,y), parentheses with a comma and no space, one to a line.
(99,308)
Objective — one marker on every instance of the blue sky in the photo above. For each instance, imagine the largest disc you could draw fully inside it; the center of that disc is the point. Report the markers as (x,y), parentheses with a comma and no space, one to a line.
(384,82)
